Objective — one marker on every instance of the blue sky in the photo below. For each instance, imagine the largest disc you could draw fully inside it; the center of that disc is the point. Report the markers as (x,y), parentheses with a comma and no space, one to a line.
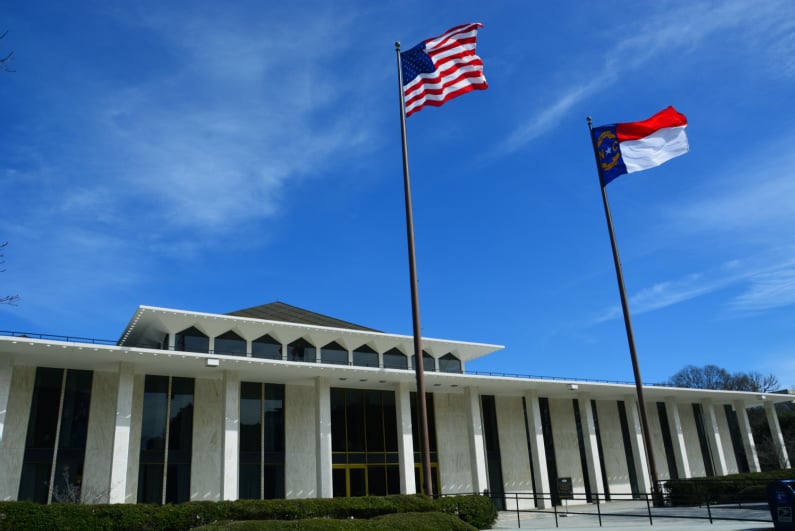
(215,156)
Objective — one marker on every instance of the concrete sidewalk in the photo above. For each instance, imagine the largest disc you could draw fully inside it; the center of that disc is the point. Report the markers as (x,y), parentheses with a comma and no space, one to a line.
(623,515)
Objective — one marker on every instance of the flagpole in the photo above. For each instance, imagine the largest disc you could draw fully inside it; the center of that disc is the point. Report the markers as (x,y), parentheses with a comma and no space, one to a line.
(656,494)
(415,304)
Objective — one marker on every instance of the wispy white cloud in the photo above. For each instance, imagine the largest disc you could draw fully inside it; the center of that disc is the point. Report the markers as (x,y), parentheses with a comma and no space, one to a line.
(672,31)
(770,289)
(670,292)
(231,112)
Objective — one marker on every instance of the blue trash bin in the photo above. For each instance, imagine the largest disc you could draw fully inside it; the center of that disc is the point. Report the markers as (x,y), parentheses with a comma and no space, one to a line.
(781,499)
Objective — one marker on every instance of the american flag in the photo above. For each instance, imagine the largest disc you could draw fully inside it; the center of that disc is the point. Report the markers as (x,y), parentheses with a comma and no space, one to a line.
(441,68)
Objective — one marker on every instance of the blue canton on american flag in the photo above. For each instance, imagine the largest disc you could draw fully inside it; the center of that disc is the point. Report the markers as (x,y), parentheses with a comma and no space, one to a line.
(441,68)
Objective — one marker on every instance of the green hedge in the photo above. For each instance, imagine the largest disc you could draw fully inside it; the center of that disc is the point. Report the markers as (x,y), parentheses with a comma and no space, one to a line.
(432,521)
(736,488)
(477,511)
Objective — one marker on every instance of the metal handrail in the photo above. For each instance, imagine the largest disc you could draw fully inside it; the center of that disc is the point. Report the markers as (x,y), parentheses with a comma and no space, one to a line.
(644,501)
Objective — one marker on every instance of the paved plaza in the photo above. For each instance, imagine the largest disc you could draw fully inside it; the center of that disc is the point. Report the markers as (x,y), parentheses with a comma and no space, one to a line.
(635,515)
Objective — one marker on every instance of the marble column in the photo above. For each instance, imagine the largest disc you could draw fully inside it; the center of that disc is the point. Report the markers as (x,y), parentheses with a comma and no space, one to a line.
(6,369)
(713,435)
(325,488)
(678,439)
(405,438)
(747,436)
(777,435)
(538,452)
(231,434)
(477,449)
(121,434)
(638,448)
(591,446)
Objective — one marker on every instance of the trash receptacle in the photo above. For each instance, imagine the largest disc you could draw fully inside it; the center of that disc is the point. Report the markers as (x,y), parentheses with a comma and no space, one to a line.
(781,499)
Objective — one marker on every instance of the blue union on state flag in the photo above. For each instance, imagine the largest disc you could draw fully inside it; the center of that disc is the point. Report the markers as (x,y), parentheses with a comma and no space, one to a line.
(441,68)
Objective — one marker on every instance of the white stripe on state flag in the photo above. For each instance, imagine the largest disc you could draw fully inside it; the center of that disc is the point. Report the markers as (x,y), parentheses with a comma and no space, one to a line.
(653,150)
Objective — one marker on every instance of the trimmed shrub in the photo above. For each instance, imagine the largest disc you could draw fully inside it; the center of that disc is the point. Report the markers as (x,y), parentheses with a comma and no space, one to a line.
(736,488)
(134,517)
(423,521)
(477,511)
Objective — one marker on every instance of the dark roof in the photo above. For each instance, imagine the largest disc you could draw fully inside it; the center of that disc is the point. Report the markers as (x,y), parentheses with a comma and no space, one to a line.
(279,311)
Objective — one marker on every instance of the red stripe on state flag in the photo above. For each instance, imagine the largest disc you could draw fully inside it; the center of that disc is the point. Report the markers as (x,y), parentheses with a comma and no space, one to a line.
(664,119)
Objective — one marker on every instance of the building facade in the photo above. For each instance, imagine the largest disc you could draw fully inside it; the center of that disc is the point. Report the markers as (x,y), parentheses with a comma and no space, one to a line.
(278,402)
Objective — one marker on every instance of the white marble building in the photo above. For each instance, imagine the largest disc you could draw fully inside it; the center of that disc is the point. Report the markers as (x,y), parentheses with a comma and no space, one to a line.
(274,401)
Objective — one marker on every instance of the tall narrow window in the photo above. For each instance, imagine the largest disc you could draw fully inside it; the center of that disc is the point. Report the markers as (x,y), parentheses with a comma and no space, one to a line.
(530,453)
(668,443)
(627,437)
(166,440)
(737,440)
(586,477)
(605,482)
(261,441)
(698,414)
(57,432)
(549,447)
(493,457)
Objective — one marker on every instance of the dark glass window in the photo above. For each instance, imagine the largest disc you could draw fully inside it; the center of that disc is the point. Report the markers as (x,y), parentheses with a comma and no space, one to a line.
(334,353)
(192,340)
(449,363)
(168,403)
(60,398)
(394,359)
(625,434)
(68,476)
(364,356)
(736,437)
(250,440)
(230,343)
(698,414)
(364,445)
(261,441)
(301,350)
(586,477)
(266,348)
(428,363)
(431,425)
(668,443)
(434,457)
(549,447)
(493,456)
(605,482)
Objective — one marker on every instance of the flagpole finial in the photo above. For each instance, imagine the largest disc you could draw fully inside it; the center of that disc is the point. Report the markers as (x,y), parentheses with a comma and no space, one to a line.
(397,45)
(590,122)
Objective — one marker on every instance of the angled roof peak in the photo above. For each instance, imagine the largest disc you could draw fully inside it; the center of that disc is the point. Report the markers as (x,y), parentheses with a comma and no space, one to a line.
(282,312)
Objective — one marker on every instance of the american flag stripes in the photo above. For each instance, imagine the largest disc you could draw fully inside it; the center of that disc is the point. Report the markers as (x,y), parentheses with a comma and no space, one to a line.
(441,68)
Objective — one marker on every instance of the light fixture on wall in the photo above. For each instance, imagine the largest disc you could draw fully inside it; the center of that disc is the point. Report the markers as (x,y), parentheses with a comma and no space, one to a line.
(762,397)
(573,387)
(213,362)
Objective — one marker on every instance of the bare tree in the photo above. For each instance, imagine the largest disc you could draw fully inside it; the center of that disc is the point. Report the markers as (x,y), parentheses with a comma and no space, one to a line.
(5,61)
(6,299)
(714,377)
